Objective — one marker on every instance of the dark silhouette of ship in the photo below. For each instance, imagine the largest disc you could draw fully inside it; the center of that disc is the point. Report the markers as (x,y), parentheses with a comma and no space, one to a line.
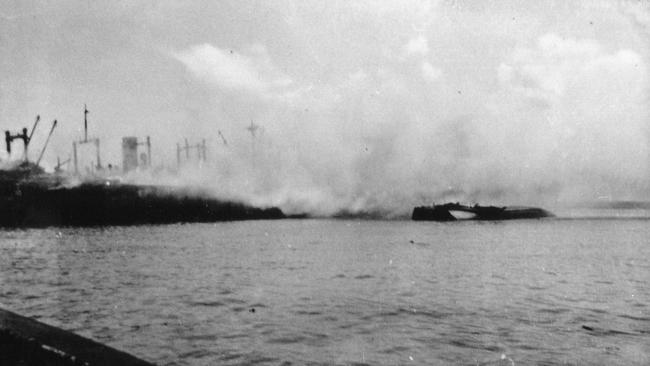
(455,211)
(30,197)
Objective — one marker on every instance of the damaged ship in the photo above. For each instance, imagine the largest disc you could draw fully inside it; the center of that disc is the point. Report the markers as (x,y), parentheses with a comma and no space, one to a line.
(40,200)
(31,197)
(456,211)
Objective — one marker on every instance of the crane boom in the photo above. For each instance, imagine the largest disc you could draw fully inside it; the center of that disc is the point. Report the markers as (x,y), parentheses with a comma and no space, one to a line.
(46,142)
(223,139)
(38,118)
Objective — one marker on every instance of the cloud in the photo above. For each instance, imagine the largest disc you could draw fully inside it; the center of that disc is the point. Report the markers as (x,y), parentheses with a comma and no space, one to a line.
(581,108)
(234,71)
(380,139)
(417,46)
(639,11)
(379,126)
(557,65)
(430,72)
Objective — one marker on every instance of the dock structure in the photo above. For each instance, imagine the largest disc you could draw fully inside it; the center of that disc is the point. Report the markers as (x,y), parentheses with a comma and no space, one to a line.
(25,341)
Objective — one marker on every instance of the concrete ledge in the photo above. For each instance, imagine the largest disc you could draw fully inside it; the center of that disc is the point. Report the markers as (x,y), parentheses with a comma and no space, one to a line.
(25,341)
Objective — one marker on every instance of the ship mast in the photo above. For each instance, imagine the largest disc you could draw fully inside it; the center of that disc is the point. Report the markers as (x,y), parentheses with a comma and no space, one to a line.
(252,128)
(23,136)
(86,140)
(201,151)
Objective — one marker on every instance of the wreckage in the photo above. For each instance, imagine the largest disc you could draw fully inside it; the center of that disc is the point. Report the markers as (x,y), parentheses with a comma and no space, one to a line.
(456,211)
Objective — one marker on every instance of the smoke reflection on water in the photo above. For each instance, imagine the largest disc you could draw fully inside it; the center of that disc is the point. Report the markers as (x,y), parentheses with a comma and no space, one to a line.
(343,291)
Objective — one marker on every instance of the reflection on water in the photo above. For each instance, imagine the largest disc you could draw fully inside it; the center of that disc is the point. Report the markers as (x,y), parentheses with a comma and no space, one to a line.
(344,292)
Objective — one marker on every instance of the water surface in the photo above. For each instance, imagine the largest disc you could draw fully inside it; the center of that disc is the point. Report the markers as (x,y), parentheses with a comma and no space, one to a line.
(546,292)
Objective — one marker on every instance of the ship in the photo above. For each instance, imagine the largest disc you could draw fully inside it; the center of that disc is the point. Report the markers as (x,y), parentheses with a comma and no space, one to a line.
(32,197)
(456,211)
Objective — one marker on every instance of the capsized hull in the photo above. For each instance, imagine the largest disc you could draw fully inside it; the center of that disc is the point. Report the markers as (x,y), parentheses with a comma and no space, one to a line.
(446,212)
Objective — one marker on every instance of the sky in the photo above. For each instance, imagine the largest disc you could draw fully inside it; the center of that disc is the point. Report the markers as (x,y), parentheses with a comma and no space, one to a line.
(362,105)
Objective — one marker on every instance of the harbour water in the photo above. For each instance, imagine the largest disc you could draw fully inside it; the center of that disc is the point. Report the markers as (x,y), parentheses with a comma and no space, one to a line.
(294,292)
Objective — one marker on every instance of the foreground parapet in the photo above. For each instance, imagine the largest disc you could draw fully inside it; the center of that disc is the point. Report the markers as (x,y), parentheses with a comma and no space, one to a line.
(455,211)
(25,341)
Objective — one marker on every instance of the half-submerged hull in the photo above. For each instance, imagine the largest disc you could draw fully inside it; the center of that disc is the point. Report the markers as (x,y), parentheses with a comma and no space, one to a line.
(446,212)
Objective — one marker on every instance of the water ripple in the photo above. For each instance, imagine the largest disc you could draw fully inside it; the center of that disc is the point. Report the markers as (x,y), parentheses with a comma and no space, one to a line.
(542,293)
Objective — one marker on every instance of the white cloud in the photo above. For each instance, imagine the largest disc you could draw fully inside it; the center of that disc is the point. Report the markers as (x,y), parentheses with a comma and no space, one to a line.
(557,65)
(430,72)
(359,75)
(417,46)
(640,12)
(582,106)
(232,70)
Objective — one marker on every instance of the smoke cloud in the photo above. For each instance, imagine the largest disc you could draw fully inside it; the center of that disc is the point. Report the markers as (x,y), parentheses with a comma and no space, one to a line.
(547,119)
(365,106)
(566,121)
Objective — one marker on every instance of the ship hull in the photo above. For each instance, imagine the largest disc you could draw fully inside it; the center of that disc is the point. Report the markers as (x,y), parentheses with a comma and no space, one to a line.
(454,212)
(103,203)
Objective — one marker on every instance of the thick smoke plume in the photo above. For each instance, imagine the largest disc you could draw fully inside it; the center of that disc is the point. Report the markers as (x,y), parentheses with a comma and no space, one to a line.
(549,118)
(364,106)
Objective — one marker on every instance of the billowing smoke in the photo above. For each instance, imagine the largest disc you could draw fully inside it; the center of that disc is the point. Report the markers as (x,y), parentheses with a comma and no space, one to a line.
(362,106)
(447,104)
